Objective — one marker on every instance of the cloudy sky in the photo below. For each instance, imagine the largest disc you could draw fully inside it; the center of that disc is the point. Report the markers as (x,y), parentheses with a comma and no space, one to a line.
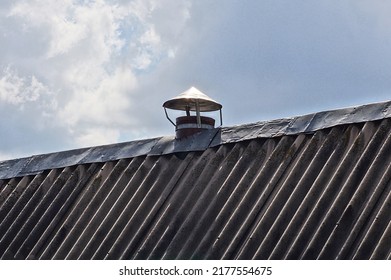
(79,73)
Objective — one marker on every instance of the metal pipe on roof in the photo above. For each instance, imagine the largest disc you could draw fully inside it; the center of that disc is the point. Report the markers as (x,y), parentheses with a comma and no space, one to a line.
(192,100)
(198,114)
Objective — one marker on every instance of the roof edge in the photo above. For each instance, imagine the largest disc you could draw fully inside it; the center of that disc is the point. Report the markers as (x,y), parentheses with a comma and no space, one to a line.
(306,123)
(198,142)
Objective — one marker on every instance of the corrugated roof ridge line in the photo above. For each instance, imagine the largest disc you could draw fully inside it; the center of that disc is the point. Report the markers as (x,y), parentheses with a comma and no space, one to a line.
(200,189)
(8,214)
(56,212)
(137,222)
(227,208)
(381,215)
(15,193)
(102,220)
(6,189)
(381,252)
(113,203)
(228,157)
(93,208)
(347,188)
(206,164)
(130,224)
(293,204)
(314,203)
(159,146)
(258,194)
(169,179)
(42,222)
(254,199)
(144,248)
(3,182)
(137,171)
(173,186)
(239,157)
(284,189)
(151,209)
(37,208)
(114,187)
(174,209)
(234,193)
(362,202)
(25,206)
(380,220)
(59,234)
(46,240)
(210,199)
(277,237)
(349,215)
(293,230)
(180,203)
(78,216)
(323,194)
(384,214)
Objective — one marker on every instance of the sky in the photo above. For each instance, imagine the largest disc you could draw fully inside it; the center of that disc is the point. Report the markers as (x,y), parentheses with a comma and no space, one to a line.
(76,74)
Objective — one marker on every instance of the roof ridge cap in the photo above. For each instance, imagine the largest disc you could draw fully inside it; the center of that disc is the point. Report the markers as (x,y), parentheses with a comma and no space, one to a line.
(308,123)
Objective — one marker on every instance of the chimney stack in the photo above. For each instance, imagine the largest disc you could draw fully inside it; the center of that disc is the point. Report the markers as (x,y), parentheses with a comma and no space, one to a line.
(192,100)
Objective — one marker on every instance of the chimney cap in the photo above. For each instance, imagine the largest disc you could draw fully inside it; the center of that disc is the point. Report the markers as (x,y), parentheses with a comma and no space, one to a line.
(190,100)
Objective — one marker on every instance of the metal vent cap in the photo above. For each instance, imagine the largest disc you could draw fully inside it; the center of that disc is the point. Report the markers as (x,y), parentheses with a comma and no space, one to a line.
(193,100)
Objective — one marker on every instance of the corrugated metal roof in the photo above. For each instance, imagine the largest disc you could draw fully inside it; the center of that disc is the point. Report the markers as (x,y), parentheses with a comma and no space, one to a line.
(210,138)
(311,187)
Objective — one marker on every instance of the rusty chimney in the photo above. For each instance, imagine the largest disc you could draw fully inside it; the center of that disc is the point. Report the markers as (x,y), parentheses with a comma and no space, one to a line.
(196,101)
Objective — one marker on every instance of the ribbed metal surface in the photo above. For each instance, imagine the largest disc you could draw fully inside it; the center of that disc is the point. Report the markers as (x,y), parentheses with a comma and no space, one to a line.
(307,124)
(324,195)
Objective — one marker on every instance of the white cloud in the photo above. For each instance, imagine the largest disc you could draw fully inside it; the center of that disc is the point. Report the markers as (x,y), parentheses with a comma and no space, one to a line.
(146,49)
(106,104)
(71,25)
(97,136)
(74,66)
(17,90)
(88,72)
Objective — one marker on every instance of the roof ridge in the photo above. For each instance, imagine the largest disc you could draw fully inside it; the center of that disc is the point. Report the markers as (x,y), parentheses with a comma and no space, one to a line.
(308,123)
(210,138)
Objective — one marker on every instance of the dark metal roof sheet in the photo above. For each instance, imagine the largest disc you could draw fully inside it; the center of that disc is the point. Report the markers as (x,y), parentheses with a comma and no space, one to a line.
(307,123)
(200,142)
(323,192)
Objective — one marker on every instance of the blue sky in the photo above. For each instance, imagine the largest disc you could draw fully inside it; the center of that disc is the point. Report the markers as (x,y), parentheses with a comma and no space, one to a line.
(84,73)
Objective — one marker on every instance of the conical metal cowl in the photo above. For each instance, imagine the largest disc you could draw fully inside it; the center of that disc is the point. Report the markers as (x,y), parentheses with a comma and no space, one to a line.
(193,100)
